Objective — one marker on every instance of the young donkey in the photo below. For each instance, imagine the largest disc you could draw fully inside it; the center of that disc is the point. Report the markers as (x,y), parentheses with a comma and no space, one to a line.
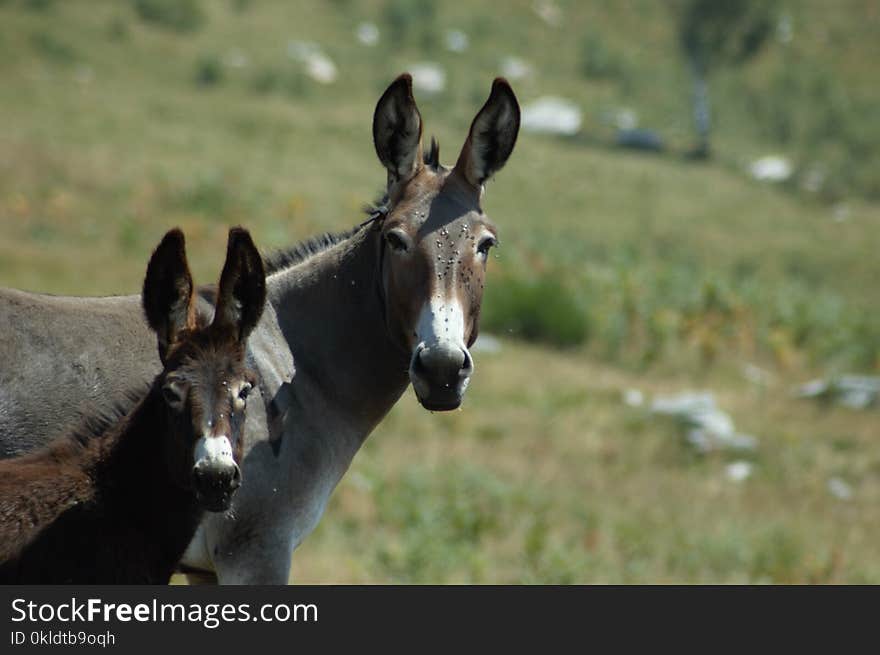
(119,502)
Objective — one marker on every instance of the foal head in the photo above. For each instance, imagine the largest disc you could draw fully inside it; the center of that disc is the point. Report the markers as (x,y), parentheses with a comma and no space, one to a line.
(205,379)
(437,237)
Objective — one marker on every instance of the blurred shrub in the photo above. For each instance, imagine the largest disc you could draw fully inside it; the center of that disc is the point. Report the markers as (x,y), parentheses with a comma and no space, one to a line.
(265,80)
(542,309)
(240,5)
(209,71)
(175,15)
(291,81)
(641,311)
(38,5)
(117,29)
(411,20)
(53,48)
(597,61)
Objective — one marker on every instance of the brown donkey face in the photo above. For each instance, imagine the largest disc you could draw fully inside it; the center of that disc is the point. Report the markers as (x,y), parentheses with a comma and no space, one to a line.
(205,381)
(437,238)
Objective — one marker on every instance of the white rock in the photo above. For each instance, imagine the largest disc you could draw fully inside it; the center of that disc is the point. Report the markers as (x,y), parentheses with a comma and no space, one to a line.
(633,398)
(772,168)
(514,68)
(551,115)
(626,119)
(682,404)
(813,389)
(855,391)
(456,40)
(738,471)
(784,29)
(428,77)
(321,68)
(707,441)
(367,34)
(317,65)
(236,59)
(708,427)
(548,11)
(858,391)
(838,488)
(840,212)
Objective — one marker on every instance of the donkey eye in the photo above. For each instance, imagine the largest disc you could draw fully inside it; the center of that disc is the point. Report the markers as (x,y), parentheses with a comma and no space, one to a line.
(172,392)
(485,245)
(240,400)
(396,242)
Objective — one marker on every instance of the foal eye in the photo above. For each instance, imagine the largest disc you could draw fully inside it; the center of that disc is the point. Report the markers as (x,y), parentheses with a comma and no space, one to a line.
(485,245)
(172,392)
(396,241)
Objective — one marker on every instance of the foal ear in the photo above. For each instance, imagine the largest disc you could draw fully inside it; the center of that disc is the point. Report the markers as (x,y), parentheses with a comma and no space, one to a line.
(397,130)
(168,290)
(492,136)
(242,292)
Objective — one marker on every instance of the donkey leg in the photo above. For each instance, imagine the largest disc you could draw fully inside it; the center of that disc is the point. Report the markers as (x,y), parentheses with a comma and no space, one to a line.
(251,550)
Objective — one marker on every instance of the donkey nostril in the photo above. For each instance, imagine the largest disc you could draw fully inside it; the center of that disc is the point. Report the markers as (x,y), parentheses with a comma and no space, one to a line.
(467,364)
(418,365)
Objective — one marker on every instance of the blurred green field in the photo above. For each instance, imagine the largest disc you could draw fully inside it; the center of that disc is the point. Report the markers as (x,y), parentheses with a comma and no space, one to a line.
(618,270)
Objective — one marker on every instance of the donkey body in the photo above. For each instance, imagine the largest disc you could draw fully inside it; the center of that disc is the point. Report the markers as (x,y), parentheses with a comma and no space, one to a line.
(60,523)
(362,314)
(119,499)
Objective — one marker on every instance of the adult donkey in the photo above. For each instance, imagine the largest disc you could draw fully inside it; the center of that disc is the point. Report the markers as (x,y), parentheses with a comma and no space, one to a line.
(394,300)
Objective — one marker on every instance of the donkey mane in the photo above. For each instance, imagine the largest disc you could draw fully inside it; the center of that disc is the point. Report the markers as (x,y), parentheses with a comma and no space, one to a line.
(376,210)
(282,259)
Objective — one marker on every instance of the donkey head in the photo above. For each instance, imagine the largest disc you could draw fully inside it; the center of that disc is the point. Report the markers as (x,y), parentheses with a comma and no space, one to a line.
(205,380)
(437,237)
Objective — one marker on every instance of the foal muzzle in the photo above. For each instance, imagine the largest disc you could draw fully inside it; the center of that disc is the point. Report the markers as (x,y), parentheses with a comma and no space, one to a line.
(216,476)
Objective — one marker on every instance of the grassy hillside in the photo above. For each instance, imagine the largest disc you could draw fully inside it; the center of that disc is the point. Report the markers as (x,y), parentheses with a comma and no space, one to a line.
(622,270)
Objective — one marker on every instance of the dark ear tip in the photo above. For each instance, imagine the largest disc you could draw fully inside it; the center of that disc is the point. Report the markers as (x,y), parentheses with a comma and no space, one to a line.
(404,79)
(173,239)
(239,236)
(401,86)
(500,86)
(241,242)
(171,251)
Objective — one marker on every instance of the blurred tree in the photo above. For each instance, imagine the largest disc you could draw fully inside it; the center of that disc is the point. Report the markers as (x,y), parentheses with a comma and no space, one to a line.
(714,33)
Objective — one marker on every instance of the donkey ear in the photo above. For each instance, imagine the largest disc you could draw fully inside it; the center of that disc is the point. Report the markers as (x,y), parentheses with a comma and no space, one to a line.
(397,130)
(492,136)
(168,290)
(242,292)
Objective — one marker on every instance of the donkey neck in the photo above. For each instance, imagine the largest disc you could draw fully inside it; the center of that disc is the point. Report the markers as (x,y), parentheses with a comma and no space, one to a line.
(109,494)
(331,311)
(131,464)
